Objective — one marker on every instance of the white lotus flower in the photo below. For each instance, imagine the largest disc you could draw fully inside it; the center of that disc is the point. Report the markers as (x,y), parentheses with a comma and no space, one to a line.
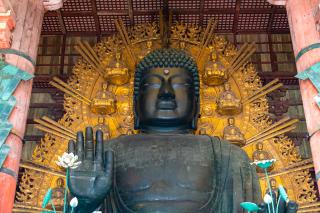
(264,164)
(267,199)
(68,160)
(74,202)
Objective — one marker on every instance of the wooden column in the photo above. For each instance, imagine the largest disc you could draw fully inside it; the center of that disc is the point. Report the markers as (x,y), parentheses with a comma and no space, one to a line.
(301,16)
(25,39)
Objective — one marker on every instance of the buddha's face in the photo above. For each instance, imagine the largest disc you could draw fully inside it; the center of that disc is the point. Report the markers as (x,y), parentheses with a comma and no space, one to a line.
(166,100)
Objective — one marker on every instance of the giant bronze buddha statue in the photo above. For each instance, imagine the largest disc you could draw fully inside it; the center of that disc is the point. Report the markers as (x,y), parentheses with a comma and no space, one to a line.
(165,168)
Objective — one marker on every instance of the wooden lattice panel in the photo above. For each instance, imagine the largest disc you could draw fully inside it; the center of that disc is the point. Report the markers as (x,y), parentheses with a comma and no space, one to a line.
(77,5)
(225,21)
(51,24)
(107,22)
(112,5)
(146,5)
(186,4)
(188,18)
(140,19)
(248,21)
(280,21)
(219,4)
(252,16)
(249,4)
(79,23)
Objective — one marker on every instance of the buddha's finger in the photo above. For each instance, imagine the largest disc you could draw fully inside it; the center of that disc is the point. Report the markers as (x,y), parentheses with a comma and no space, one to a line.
(71,148)
(292,207)
(89,144)
(99,146)
(108,163)
(80,145)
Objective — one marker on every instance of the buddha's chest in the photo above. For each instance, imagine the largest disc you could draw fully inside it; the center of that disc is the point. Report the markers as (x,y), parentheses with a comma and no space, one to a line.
(167,164)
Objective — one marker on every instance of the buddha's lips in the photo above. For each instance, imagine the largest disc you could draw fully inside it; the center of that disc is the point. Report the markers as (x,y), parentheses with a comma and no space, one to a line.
(167,105)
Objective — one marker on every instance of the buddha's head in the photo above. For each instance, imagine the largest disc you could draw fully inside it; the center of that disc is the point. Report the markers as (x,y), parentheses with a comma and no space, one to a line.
(273,183)
(166,92)
(231,121)
(60,182)
(227,87)
(259,146)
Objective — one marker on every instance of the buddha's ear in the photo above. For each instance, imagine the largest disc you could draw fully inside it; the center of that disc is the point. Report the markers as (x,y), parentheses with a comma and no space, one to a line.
(196,116)
(136,122)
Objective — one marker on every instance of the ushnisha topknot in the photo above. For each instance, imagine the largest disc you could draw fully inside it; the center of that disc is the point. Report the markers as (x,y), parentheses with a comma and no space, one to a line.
(166,57)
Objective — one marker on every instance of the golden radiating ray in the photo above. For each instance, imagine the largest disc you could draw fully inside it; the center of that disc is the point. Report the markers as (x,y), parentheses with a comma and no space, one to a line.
(282,124)
(315,209)
(300,163)
(263,93)
(287,171)
(55,128)
(29,209)
(53,132)
(207,37)
(59,84)
(281,121)
(90,56)
(70,88)
(125,38)
(265,87)
(242,57)
(239,52)
(49,120)
(309,205)
(269,136)
(43,169)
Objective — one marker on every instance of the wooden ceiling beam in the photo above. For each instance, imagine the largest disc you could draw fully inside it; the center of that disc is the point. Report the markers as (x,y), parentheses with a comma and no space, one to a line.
(201,11)
(106,33)
(236,17)
(130,11)
(95,16)
(61,22)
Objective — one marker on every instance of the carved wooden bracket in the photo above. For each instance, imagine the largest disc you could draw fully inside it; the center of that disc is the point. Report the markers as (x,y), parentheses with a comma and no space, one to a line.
(53,4)
(7,23)
(277,2)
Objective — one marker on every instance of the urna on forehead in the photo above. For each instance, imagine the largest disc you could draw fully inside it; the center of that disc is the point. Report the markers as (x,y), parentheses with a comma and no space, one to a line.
(166,58)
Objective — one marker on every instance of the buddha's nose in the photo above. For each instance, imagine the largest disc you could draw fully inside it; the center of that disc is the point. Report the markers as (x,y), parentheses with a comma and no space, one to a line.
(166,91)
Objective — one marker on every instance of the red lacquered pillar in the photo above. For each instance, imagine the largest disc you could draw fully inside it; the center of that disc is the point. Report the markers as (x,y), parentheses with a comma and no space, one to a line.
(27,16)
(303,28)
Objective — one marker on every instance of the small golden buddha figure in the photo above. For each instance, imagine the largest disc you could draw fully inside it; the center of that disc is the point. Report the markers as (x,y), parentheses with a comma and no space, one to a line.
(214,73)
(274,187)
(117,73)
(104,103)
(58,194)
(233,133)
(260,154)
(228,103)
(126,127)
(103,127)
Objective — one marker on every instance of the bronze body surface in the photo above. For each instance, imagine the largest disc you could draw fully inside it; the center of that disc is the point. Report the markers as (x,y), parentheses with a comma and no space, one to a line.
(165,168)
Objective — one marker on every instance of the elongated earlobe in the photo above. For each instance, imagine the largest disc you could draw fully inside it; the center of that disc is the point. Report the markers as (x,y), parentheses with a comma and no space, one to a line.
(136,122)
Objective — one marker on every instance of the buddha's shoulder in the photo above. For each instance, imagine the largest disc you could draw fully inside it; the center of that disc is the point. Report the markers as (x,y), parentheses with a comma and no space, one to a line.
(227,148)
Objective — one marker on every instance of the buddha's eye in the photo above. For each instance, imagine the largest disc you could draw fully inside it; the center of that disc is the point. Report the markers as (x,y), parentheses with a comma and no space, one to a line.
(153,85)
(181,85)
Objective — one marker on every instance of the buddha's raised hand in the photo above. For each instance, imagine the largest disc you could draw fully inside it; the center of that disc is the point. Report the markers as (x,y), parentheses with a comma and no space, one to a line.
(92,180)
